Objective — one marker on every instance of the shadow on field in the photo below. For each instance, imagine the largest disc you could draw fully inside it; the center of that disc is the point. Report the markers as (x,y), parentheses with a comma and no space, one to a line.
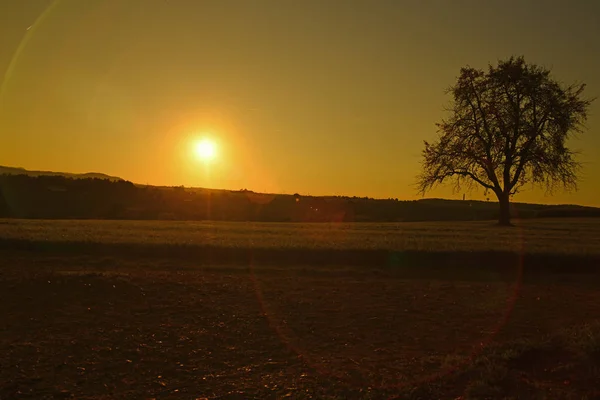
(437,263)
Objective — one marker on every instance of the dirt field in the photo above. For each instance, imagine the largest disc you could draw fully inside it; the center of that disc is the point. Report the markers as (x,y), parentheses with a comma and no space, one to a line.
(76,327)
(114,321)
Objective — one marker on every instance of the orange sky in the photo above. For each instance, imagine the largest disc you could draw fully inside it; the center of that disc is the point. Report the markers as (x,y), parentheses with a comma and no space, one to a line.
(314,96)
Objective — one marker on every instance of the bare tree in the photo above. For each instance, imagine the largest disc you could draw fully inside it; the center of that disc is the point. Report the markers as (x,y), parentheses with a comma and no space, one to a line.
(508,127)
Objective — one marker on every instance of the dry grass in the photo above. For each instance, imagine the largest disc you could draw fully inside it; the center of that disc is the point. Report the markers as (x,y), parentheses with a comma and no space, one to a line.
(556,236)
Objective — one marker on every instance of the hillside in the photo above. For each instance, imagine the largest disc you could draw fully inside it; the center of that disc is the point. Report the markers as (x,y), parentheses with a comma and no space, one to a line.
(22,171)
(97,196)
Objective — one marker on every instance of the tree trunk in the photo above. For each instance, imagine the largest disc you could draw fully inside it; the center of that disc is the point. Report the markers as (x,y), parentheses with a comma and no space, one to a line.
(504,218)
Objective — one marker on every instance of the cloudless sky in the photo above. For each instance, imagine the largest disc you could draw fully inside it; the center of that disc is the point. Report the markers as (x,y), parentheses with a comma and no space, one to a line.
(313,96)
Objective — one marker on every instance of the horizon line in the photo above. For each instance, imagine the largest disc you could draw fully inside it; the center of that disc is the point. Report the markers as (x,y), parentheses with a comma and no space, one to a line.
(283,193)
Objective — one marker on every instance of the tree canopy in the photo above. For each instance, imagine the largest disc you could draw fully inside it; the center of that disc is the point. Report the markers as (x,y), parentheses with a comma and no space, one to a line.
(507,127)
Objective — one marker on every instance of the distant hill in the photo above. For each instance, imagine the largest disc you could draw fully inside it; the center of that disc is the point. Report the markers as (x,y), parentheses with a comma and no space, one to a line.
(22,171)
(51,195)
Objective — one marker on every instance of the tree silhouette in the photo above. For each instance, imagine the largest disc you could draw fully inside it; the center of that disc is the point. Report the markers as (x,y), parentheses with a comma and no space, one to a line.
(508,127)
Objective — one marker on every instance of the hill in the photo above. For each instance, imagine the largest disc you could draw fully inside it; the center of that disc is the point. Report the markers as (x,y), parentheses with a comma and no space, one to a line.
(22,171)
(40,195)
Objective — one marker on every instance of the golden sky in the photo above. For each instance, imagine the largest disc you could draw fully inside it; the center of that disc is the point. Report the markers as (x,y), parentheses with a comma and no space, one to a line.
(313,96)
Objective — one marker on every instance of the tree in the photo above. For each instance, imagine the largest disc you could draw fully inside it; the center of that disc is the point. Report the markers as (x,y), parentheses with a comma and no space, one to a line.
(508,127)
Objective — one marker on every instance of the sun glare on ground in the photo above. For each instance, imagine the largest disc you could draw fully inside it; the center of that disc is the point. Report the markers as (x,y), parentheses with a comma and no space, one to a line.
(205,149)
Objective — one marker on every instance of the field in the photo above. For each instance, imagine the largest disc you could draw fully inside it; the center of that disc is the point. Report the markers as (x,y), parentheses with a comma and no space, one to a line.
(563,236)
(107,309)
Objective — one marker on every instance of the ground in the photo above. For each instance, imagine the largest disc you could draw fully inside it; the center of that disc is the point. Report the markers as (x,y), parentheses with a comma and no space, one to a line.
(137,322)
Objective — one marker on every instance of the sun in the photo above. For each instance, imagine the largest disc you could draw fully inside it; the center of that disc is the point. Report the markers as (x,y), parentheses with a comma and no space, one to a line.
(205,149)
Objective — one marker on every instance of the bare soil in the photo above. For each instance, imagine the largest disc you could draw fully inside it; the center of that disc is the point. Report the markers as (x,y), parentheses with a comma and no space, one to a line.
(125,327)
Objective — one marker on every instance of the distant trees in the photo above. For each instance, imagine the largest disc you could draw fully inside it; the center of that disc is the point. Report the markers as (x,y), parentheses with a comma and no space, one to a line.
(508,127)
(56,197)
(4,211)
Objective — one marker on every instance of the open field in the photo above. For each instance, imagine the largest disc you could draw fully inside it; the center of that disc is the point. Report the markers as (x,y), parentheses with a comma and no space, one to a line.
(551,236)
(100,313)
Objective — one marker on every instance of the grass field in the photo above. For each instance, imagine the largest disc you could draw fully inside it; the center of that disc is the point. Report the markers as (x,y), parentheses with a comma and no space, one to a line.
(564,236)
(91,310)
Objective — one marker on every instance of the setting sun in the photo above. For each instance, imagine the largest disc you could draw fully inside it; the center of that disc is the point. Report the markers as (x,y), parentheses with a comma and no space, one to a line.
(205,149)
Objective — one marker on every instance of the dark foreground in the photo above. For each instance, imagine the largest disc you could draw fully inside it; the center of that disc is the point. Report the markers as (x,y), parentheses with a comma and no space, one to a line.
(128,326)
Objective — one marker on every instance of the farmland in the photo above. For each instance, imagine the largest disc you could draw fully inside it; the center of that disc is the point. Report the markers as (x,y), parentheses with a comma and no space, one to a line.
(123,309)
(550,236)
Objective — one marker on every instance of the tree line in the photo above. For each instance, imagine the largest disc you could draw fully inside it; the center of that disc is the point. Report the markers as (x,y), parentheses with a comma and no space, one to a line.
(57,197)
